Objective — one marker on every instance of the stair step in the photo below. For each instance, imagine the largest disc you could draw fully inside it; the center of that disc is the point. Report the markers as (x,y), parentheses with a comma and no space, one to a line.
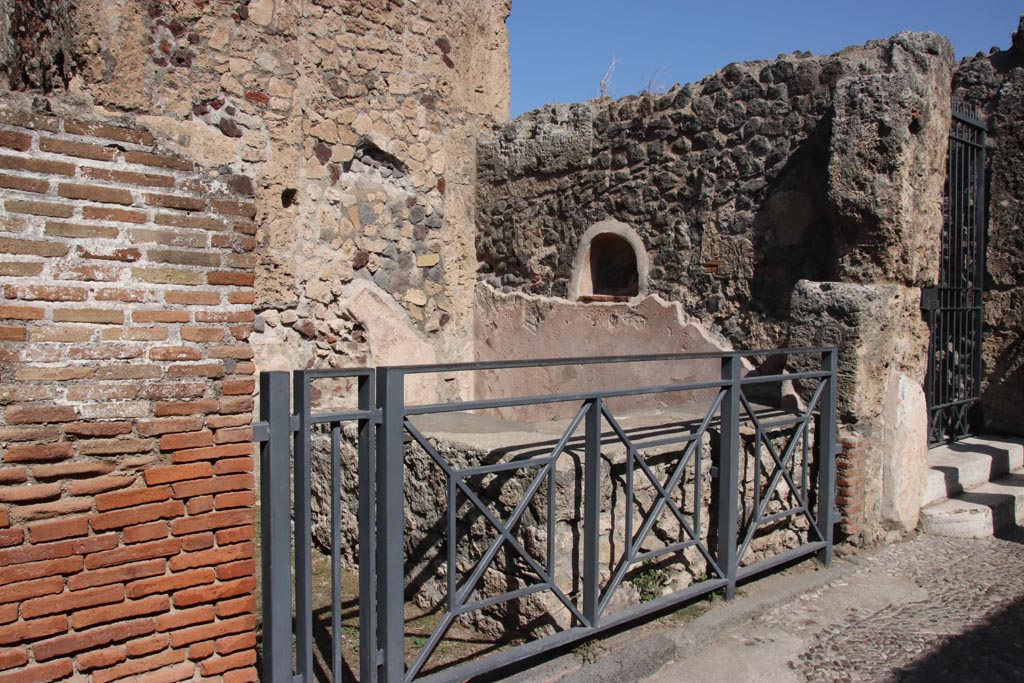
(981,511)
(969,463)
(975,487)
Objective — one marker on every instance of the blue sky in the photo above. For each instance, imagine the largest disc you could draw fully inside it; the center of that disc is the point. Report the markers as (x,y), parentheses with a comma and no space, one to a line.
(561,49)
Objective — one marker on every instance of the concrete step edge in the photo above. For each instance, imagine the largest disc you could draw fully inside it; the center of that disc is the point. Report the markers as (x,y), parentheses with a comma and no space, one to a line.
(981,511)
(970,463)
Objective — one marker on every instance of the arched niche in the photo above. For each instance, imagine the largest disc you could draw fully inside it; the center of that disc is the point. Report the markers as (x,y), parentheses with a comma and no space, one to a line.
(611,264)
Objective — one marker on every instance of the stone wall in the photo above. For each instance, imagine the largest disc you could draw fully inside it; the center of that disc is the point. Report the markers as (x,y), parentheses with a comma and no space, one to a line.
(995,85)
(750,191)
(126,381)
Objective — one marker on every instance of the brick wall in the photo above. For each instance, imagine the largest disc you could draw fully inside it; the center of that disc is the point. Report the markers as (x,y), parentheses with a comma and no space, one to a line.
(851,476)
(126,382)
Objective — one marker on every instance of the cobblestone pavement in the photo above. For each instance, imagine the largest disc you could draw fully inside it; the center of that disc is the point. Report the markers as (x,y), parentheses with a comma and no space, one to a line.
(969,626)
(928,610)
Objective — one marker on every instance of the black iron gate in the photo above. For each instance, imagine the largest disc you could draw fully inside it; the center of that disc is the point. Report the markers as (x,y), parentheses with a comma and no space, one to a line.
(953,309)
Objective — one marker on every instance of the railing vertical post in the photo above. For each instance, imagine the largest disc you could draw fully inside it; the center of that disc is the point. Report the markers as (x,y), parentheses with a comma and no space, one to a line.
(592,512)
(826,438)
(303,530)
(391,525)
(275,526)
(367,535)
(728,473)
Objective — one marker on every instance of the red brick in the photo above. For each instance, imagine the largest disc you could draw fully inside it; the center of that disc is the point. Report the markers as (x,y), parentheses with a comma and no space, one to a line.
(201,650)
(236,404)
(213,452)
(58,508)
(11,537)
(133,553)
(231,208)
(5,519)
(214,557)
(22,393)
(95,193)
(222,421)
(79,231)
(237,482)
(175,353)
(168,409)
(40,673)
(101,392)
(121,574)
(139,496)
(190,221)
(11,182)
(21,163)
(246,675)
(88,273)
(216,593)
(234,435)
(229,644)
(165,391)
(58,529)
(180,441)
(179,619)
(22,313)
(101,130)
(8,614)
(202,334)
(93,639)
(77,149)
(15,656)
(13,333)
(36,208)
(115,446)
(109,213)
(48,452)
(154,427)
(209,370)
(135,371)
(176,473)
(145,646)
(245,604)
(103,316)
(98,659)
(235,387)
(158,160)
(17,475)
(130,609)
(233,466)
(196,542)
(54,374)
(233,278)
(24,631)
(187,298)
(13,140)
(211,521)
(179,202)
(225,501)
(157,664)
(10,245)
(218,665)
(200,505)
(90,487)
(29,493)
(237,569)
(211,631)
(62,333)
(70,602)
(46,293)
(58,549)
(25,590)
(41,413)
(20,269)
(241,298)
(36,570)
(173,582)
(160,316)
(146,532)
(139,514)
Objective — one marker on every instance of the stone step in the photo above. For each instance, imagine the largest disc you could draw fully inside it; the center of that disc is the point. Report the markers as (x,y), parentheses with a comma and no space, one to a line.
(975,487)
(961,466)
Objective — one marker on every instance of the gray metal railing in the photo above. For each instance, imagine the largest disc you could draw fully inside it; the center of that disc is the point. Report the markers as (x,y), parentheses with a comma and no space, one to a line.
(790,479)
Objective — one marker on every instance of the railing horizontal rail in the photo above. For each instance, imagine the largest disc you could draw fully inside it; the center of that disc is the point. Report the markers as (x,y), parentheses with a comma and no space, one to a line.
(678,482)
